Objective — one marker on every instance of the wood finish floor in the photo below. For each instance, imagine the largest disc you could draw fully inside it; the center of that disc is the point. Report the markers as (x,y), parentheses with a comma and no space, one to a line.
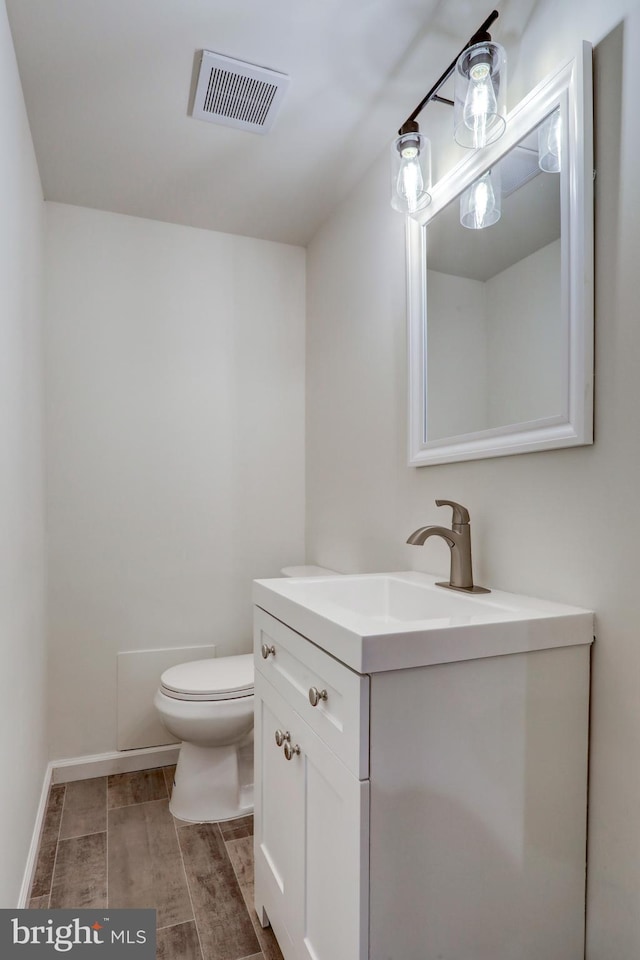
(112,842)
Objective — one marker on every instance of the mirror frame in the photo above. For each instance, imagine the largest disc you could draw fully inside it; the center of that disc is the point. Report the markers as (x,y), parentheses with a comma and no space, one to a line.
(570,88)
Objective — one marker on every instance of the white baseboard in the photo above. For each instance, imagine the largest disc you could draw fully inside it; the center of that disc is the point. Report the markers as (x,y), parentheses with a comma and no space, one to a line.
(32,858)
(103,764)
(83,768)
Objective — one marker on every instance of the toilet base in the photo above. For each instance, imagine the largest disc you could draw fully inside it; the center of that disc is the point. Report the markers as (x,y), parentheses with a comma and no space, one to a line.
(213,783)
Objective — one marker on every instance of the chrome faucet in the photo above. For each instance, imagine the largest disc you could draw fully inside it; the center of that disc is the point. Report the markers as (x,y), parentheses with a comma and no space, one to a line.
(459,540)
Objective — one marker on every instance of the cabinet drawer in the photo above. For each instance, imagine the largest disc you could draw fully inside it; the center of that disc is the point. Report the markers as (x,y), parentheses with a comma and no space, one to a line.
(295,666)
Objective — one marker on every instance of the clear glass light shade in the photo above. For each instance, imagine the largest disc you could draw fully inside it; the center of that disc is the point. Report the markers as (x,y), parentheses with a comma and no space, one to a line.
(410,173)
(550,143)
(480,95)
(480,204)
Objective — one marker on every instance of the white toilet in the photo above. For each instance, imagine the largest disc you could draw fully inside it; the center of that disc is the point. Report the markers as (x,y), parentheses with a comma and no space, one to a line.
(208,704)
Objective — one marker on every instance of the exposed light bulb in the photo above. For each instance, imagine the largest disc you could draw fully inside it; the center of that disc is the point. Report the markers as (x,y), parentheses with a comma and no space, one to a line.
(480,109)
(411,172)
(484,201)
(550,143)
(410,182)
(480,203)
(480,103)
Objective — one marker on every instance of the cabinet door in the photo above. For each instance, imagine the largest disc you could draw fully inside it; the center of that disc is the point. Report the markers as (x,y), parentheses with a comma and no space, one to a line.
(312,840)
(278,820)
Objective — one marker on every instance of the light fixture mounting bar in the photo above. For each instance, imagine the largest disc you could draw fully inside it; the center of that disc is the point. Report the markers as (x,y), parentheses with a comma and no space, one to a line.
(482,33)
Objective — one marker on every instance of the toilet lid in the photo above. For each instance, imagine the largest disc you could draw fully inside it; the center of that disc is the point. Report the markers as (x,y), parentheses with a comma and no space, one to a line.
(221,678)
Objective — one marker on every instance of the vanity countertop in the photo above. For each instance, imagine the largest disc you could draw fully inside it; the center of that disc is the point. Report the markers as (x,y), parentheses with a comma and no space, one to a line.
(391,621)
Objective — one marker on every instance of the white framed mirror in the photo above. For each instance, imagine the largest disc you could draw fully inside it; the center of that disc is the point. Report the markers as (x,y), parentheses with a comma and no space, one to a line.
(501,318)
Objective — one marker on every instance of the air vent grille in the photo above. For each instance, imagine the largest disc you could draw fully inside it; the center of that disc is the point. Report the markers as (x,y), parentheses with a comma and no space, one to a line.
(238,94)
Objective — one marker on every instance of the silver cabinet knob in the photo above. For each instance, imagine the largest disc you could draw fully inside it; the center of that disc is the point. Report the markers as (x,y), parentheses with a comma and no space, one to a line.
(290,751)
(267,651)
(282,736)
(315,696)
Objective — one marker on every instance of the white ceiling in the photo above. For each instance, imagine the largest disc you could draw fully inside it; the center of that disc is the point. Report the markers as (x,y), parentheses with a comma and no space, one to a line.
(108,85)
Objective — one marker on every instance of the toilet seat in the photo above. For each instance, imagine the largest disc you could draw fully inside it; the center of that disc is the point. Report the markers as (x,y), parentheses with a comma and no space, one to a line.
(221,678)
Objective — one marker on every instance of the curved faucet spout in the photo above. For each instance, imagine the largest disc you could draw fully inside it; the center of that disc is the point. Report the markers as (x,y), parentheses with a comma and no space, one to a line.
(419,536)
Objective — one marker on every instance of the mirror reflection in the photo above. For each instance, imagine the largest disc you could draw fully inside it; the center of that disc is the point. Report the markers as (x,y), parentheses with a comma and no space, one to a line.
(497,334)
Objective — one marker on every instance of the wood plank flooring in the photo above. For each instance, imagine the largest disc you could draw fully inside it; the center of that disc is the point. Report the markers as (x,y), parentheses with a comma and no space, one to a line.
(112,842)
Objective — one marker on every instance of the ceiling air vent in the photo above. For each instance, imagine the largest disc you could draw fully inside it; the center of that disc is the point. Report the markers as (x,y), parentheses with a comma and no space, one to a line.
(238,94)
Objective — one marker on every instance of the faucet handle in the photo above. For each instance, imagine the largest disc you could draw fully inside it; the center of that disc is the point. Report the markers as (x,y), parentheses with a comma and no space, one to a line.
(460,513)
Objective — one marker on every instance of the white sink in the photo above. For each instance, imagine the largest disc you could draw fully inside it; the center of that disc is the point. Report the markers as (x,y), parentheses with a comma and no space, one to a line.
(389,621)
(388,597)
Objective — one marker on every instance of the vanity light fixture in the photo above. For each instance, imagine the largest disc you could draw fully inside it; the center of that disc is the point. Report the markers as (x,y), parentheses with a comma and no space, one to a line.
(480,104)
(410,170)
(550,143)
(479,117)
(480,204)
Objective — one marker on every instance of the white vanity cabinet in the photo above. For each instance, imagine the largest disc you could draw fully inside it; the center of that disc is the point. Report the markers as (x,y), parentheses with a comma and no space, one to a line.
(433,812)
(311,821)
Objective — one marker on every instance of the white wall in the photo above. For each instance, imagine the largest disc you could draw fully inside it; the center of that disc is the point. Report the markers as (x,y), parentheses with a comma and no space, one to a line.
(562,524)
(496,349)
(527,340)
(457,337)
(175,442)
(22,673)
